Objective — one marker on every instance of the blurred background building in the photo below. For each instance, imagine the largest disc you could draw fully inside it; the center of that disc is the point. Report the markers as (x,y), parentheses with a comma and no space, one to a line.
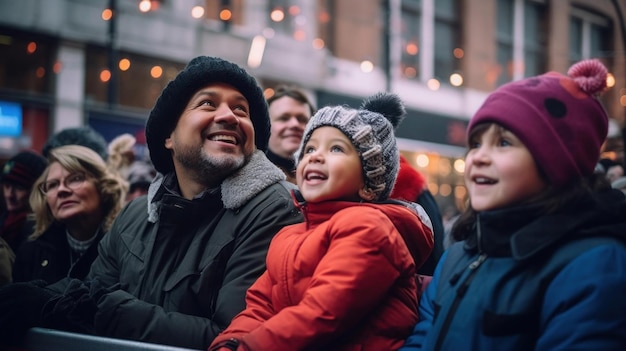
(103,63)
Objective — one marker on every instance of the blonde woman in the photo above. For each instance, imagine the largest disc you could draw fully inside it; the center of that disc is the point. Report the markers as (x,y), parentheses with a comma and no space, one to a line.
(74,202)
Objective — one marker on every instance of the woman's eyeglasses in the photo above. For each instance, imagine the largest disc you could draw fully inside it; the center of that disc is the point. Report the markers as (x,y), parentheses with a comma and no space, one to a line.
(72,181)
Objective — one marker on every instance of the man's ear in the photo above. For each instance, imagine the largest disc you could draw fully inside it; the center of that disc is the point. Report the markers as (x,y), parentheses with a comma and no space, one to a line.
(366,194)
(168,143)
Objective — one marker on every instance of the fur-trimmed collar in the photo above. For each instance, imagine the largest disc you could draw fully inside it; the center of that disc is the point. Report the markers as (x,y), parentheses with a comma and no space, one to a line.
(409,184)
(237,190)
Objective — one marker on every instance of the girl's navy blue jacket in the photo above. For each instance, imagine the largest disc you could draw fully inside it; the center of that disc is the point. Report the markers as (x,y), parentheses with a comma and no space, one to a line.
(524,280)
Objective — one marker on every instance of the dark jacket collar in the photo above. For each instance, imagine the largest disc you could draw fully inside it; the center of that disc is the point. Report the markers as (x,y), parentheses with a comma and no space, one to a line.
(288,164)
(524,231)
(236,190)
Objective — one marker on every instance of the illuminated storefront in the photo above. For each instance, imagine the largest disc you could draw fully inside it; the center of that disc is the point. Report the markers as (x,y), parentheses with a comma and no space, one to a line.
(26,84)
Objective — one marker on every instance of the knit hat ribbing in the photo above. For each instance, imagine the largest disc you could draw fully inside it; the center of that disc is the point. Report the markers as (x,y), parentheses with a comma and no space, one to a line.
(557,118)
(200,72)
(371,130)
(23,169)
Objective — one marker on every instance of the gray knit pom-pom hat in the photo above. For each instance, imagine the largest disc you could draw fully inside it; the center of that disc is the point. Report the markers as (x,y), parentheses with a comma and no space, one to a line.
(371,130)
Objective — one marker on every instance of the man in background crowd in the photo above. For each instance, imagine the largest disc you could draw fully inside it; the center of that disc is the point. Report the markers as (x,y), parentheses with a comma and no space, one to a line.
(290,110)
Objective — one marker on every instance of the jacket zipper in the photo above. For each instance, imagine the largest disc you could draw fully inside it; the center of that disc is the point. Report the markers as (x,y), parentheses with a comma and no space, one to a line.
(460,291)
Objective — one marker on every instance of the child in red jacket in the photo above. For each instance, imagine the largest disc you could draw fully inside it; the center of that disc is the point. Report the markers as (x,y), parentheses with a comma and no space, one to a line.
(345,278)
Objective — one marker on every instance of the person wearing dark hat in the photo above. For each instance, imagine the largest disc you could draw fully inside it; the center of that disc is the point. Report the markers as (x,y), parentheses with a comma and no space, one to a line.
(83,136)
(17,178)
(176,264)
(345,279)
(541,258)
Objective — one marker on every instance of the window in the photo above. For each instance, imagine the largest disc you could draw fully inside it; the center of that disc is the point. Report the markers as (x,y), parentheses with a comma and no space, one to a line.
(535,38)
(411,24)
(138,82)
(446,38)
(520,39)
(27,62)
(227,11)
(504,40)
(280,18)
(589,36)
(326,30)
(430,35)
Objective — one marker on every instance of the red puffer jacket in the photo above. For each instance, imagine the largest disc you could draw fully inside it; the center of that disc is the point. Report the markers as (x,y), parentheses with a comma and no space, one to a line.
(342,280)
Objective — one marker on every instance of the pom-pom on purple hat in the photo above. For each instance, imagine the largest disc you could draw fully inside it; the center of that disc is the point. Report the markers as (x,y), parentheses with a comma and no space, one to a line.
(557,117)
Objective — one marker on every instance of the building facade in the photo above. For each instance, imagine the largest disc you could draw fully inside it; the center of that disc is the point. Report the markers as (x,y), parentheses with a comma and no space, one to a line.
(103,63)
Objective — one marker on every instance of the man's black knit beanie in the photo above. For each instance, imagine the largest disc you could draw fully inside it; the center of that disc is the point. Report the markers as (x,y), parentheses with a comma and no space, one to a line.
(200,72)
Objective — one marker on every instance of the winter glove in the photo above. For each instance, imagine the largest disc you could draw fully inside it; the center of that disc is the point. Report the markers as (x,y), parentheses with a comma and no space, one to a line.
(21,306)
(75,310)
(231,344)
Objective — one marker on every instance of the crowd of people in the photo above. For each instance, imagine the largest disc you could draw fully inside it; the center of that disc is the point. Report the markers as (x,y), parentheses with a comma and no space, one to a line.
(269,224)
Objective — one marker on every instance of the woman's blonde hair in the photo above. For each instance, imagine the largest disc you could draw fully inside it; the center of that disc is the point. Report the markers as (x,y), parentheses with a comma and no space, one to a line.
(75,158)
(121,154)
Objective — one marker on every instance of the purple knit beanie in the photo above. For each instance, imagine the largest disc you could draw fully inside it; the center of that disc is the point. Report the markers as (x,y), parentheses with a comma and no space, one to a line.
(557,117)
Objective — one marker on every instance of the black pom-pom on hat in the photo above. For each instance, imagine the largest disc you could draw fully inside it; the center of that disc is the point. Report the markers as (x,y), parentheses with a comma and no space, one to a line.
(388,105)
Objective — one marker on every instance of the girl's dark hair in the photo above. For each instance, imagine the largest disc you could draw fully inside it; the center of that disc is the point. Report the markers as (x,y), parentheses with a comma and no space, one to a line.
(551,200)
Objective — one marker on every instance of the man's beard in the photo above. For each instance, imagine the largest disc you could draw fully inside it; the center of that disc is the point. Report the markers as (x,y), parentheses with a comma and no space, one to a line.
(208,169)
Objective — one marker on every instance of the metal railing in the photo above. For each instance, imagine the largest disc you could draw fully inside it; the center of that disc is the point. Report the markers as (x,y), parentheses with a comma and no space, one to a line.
(41,339)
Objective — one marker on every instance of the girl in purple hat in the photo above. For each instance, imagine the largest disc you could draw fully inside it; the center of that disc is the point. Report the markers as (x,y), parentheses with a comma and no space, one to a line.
(541,258)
